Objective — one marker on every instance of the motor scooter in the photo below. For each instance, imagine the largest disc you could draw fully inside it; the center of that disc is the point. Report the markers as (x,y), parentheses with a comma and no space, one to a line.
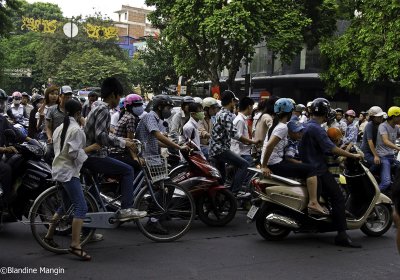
(31,176)
(281,206)
(215,204)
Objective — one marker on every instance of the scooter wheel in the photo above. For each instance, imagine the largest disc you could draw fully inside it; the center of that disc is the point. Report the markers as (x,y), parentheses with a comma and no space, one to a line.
(217,211)
(269,231)
(379,221)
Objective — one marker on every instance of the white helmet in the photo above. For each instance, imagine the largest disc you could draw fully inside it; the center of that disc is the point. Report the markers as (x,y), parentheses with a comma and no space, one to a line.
(198,100)
(209,101)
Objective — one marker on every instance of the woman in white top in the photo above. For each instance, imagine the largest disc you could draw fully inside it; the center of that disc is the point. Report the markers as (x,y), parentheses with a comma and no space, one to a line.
(273,160)
(69,140)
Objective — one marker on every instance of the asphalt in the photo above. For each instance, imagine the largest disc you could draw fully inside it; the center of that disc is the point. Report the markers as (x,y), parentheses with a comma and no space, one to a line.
(236,251)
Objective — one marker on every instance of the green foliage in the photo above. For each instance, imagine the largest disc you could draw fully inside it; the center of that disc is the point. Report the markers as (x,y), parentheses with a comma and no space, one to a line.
(153,67)
(7,8)
(80,69)
(79,61)
(368,52)
(210,35)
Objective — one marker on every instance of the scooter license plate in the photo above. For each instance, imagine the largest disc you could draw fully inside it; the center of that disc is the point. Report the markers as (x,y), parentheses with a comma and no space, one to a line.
(252,212)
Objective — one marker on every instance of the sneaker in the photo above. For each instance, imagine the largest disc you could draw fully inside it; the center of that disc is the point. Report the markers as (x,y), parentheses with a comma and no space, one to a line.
(96,237)
(156,228)
(130,214)
(242,194)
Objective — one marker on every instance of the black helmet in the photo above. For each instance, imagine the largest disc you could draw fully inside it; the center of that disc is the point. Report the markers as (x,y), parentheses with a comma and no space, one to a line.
(3,95)
(331,115)
(339,110)
(188,99)
(320,107)
(162,100)
(36,98)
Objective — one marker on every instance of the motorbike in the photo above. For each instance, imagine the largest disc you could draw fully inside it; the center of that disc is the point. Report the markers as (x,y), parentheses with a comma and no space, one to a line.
(215,204)
(31,176)
(281,206)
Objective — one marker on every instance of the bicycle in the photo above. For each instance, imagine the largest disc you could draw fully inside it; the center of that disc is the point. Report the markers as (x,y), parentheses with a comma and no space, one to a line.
(163,200)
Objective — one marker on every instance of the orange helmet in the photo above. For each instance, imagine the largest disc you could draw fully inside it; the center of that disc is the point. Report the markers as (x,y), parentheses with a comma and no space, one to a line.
(334,133)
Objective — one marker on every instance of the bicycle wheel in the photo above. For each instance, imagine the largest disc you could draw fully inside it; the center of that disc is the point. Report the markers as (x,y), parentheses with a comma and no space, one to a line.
(172,208)
(41,216)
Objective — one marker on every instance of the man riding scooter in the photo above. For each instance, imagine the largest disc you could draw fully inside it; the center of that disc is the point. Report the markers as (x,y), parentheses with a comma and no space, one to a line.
(313,147)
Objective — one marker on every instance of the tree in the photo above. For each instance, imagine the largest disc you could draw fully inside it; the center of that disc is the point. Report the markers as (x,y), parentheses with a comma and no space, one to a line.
(153,68)
(6,11)
(208,36)
(369,50)
(89,67)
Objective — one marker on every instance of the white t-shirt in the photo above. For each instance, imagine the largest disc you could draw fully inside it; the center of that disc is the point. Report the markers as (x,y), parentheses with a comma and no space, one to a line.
(280,131)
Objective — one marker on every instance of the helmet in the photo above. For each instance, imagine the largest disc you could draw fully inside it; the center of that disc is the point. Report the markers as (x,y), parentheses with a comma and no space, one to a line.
(292,100)
(209,101)
(394,111)
(17,94)
(331,115)
(320,106)
(309,104)
(375,111)
(198,100)
(121,103)
(162,100)
(299,108)
(339,110)
(3,95)
(36,97)
(334,133)
(188,99)
(283,105)
(133,99)
(350,113)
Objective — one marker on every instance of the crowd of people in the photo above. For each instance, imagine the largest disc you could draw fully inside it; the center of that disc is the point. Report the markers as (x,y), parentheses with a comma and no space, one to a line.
(285,138)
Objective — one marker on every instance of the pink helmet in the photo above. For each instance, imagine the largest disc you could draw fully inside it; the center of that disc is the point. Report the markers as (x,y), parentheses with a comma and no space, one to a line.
(350,113)
(132,99)
(17,94)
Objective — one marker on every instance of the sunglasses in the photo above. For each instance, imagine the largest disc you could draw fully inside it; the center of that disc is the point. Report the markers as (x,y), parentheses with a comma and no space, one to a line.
(17,98)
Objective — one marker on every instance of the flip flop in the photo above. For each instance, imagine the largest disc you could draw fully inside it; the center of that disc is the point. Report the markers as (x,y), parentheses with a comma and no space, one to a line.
(79,253)
(314,211)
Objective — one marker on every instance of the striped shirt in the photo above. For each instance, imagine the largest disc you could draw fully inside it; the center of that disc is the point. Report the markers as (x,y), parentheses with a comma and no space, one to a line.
(223,132)
(97,130)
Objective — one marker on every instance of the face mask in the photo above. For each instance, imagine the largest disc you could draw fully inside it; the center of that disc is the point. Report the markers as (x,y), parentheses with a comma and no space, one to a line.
(199,116)
(137,111)
(17,102)
(166,113)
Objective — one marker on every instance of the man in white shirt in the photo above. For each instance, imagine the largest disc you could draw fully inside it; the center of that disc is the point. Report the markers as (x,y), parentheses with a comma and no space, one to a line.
(241,125)
(191,128)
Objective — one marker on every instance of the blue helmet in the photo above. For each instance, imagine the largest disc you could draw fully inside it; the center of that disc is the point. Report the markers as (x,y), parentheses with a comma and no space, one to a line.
(121,103)
(283,105)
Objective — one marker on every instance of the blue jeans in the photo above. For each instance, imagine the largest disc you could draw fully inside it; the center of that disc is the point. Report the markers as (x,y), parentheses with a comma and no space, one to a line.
(111,166)
(234,159)
(386,170)
(369,158)
(74,191)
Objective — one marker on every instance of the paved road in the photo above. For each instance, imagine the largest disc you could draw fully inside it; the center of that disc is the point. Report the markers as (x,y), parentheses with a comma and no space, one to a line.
(233,252)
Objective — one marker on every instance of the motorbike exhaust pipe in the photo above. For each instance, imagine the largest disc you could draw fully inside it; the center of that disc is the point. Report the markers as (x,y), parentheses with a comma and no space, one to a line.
(282,221)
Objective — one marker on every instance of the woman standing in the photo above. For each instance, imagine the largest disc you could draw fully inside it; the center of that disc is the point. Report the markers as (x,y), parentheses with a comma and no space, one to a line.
(69,140)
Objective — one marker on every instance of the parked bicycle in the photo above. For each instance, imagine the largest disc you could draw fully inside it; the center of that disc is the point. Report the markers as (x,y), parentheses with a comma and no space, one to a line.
(163,200)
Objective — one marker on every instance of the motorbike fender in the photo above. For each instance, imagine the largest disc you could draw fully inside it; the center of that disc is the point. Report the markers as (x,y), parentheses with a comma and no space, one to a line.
(212,190)
(196,182)
(177,167)
(383,199)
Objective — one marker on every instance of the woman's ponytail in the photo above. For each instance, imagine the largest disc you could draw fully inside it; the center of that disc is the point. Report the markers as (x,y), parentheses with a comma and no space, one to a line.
(71,108)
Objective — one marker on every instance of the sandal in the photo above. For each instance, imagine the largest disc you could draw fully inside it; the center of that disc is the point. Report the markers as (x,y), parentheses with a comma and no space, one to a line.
(79,253)
(50,242)
(315,211)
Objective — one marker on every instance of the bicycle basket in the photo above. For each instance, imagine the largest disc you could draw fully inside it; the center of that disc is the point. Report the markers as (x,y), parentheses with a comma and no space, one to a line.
(157,168)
